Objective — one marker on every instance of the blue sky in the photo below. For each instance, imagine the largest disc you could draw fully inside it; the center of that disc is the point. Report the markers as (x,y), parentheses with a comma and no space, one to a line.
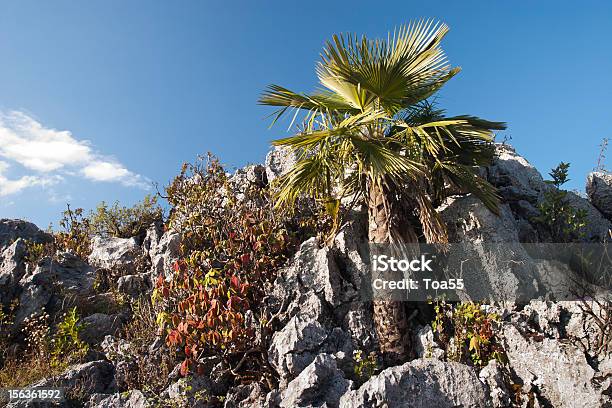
(98,99)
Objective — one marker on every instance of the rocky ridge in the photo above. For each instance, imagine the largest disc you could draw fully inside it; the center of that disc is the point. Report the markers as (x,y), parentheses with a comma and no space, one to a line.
(554,358)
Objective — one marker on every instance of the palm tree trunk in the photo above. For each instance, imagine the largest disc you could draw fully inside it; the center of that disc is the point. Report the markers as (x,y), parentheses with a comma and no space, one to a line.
(389,315)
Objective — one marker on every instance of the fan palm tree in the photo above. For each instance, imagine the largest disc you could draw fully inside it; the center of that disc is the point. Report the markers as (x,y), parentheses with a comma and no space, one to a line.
(372,132)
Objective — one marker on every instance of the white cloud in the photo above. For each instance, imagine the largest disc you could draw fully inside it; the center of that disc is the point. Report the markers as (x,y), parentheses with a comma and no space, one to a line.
(112,171)
(50,153)
(9,187)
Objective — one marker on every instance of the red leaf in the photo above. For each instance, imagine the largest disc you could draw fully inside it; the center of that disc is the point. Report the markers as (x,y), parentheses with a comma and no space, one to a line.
(185,368)
(235,282)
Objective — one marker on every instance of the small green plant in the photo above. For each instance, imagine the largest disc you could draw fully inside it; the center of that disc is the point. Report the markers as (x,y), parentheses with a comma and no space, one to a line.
(565,222)
(467,332)
(66,341)
(125,222)
(365,366)
(36,251)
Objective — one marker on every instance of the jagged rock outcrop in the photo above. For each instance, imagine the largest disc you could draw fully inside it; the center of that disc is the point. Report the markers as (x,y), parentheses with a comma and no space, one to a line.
(522,188)
(134,285)
(94,377)
(66,274)
(163,251)
(129,399)
(278,161)
(321,315)
(420,383)
(560,372)
(320,307)
(599,190)
(12,269)
(113,253)
(321,384)
(99,325)
(10,230)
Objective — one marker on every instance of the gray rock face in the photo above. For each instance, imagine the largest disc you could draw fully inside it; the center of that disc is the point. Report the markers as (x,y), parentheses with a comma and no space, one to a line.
(425,345)
(134,285)
(278,161)
(163,253)
(252,176)
(113,253)
(129,399)
(560,372)
(599,190)
(295,345)
(509,273)
(12,269)
(246,396)
(321,384)
(420,384)
(492,377)
(67,274)
(515,177)
(597,226)
(10,230)
(98,325)
(94,377)
(321,308)
(522,187)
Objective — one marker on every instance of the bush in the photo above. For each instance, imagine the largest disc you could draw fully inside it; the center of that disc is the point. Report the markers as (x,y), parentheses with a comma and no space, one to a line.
(75,235)
(125,222)
(233,244)
(77,229)
(467,333)
(566,224)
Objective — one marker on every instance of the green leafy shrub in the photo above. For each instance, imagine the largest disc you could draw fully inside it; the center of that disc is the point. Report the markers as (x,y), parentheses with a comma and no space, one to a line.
(66,341)
(365,366)
(467,333)
(36,251)
(232,245)
(125,222)
(566,223)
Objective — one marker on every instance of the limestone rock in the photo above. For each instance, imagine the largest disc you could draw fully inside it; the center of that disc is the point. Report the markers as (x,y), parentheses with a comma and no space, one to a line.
(10,230)
(134,285)
(559,371)
(492,377)
(295,345)
(425,345)
(514,176)
(321,384)
(98,325)
(67,274)
(129,399)
(420,384)
(278,161)
(118,254)
(599,190)
(163,254)
(246,396)
(12,269)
